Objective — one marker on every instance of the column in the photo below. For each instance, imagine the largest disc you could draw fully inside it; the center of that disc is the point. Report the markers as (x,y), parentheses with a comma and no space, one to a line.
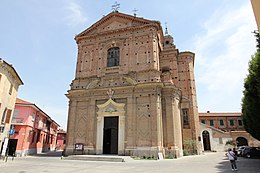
(100,126)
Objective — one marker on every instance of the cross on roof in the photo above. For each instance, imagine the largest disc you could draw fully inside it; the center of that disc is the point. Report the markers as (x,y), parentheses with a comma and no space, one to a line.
(116,6)
(166,29)
(135,10)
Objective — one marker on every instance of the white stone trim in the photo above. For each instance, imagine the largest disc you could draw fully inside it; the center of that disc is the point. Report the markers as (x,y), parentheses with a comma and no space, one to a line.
(109,109)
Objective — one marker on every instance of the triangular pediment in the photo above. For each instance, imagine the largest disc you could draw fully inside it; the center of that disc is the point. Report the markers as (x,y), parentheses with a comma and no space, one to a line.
(116,21)
(113,25)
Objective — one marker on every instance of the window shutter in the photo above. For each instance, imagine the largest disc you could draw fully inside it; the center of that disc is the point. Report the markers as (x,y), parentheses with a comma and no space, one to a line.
(8,116)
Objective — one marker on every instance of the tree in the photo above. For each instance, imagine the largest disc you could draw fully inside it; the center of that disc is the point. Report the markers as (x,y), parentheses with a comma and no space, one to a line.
(251,98)
(257,40)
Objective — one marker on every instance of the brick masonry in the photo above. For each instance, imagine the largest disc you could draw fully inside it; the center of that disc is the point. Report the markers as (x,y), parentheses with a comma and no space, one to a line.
(148,90)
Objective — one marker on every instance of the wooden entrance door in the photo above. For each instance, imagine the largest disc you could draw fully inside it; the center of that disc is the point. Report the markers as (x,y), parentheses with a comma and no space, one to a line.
(206,140)
(110,138)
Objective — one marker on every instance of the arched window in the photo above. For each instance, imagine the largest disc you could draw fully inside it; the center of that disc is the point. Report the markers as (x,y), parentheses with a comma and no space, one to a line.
(185,117)
(113,57)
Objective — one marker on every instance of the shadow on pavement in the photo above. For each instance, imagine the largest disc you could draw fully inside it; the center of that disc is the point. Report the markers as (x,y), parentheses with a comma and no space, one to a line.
(244,165)
(50,154)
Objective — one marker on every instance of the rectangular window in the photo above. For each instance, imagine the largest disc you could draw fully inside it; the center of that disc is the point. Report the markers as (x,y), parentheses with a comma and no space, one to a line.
(3,116)
(220,140)
(8,116)
(211,122)
(33,117)
(37,118)
(231,122)
(185,117)
(11,89)
(2,128)
(113,57)
(221,122)
(240,122)
(203,121)
(33,136)
(38,136)
(15,114)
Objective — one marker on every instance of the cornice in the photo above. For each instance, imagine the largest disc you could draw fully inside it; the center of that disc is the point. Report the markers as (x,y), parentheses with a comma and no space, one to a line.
(9,69)
(116,14)
(110,32)
(191,55)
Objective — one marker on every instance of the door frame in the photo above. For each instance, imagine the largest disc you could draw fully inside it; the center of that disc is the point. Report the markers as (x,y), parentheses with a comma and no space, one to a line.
(110,109)
(113,145)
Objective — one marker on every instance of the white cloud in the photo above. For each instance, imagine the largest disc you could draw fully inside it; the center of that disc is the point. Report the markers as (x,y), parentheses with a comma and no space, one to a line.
(75,14)
(223,50)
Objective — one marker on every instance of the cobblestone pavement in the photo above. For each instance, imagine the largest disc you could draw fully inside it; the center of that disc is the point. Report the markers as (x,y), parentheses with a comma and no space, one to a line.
(207,163)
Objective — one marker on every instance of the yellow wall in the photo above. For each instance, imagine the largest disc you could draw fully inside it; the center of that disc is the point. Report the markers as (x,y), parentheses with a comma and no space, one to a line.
(7,99)
(256,9)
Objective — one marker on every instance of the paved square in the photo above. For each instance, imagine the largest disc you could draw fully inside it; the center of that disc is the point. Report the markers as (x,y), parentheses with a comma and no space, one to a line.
(207,163)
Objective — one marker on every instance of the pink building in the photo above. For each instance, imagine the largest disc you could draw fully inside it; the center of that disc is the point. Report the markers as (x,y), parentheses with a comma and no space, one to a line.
(35,131)
(61,140)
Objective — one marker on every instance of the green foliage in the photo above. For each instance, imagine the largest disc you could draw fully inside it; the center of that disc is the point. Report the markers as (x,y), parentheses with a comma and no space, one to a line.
(231,142)
(251,98)
(170,156)
(189,145)
(257,40)
(185,152)
(144,157)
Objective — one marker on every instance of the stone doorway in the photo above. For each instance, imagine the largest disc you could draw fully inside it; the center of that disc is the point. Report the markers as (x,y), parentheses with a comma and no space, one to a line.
(110,121)
(206,140)
(110,135)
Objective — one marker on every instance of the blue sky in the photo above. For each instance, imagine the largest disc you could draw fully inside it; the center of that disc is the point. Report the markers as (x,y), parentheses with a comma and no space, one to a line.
(37,37)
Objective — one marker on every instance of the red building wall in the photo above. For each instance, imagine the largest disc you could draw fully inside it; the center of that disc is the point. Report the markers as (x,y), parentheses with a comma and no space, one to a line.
(226,117)
(35,131)
(61,140)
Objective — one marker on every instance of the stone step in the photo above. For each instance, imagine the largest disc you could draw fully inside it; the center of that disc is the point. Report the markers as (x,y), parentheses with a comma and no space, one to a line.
(95,158)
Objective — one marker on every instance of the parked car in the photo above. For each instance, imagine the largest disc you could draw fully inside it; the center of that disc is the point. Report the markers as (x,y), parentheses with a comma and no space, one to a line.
(251,152)
(241,149)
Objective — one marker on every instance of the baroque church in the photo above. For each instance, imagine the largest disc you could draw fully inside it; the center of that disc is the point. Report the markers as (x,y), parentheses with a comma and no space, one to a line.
(134,92)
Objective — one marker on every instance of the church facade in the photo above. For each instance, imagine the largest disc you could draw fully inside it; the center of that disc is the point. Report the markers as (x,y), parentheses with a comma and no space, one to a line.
(134,92)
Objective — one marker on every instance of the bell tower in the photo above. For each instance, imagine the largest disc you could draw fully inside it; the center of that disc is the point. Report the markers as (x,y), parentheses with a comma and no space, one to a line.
(168,39)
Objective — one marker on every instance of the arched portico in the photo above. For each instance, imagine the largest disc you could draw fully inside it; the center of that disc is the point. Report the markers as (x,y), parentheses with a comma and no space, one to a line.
(241,141)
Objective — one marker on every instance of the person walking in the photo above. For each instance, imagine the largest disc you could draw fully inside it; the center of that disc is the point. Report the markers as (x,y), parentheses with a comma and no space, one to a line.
(232,158)
(235,151)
